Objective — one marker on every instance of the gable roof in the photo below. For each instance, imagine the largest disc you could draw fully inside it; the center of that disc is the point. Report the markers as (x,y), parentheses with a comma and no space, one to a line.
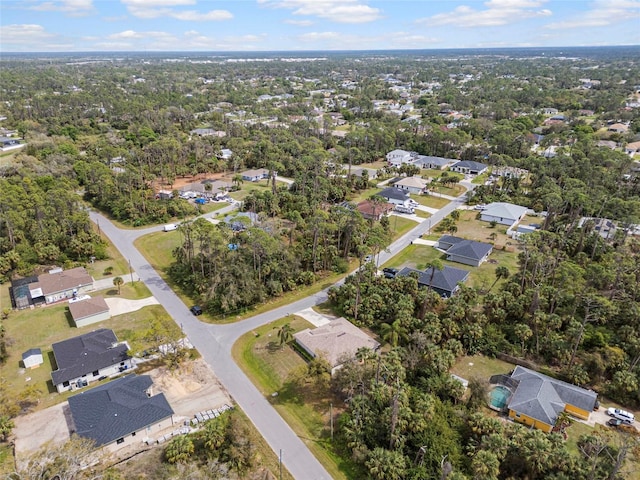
(118,408)
(446,279)
(504,210)
(469,164)
(64,280)
(369,208)
(88,308)
(87,353)
(439,161)
(259,172)
(335,340)
(543,398)
(32,352)
(467,248)
(394,193)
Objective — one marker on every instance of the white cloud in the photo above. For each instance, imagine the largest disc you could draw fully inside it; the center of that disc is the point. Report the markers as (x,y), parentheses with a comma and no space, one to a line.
(340,11)
(148,9)
(73,8)
(602,13)
(497,13)
(299,23)
(24,34)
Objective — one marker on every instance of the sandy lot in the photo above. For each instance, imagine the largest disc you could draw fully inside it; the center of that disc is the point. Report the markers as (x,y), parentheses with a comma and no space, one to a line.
(189,390)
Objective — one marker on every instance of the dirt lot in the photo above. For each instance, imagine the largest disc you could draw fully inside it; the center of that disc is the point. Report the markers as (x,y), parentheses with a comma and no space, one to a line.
(189,390)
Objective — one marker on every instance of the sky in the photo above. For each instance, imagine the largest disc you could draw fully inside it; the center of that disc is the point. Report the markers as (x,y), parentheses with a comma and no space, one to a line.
(298,25)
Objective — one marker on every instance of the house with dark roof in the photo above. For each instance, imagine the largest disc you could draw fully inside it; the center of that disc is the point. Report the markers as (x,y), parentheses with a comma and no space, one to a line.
(538,399)
(395,196)
(334,341)
(87,358)
(469,167)
(467,252)
(445,282)
(61,284)
(120,413)
(87,311)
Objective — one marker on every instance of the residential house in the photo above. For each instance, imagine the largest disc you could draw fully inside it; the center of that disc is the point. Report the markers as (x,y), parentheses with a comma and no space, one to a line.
(607,144)
(603,226)
(337,340)
(207,132)
(32,358)
(618,128)
(87,358)
(240,221)
(207,188)
(434,163)
(398,157)
(523,230)
(255,175)
(469,167)
(538,399)
(550,111)
(225,154)
(374,210)
(503,213)
(509,172)
(7,143)
(88,311)
(467,252)
(632,148)
(164,195)
(120,413)
(445,282)
(371,173)
(60,284)
(395,196)
(415,185)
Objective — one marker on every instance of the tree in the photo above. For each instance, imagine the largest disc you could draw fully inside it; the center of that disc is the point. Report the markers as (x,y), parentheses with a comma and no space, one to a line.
(179,449)
(118,282)
(6,426)
(285,334)
(501,272)
(393,332)
(386,464)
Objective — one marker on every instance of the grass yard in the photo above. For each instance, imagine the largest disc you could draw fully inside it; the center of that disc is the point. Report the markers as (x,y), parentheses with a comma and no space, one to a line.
(41,327)
(364,194)
(574,432)
(471,228)
(480,366)
(247,187)
(480,179)
(157,247)
(303,405)
(453,191)
(401,225)
(422,214)
(431,201)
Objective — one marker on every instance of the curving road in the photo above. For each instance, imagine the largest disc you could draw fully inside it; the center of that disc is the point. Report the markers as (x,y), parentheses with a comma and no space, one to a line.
(214,342)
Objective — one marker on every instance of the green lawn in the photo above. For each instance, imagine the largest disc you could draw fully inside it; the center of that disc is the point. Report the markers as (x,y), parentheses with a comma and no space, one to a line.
(453,191)
(400,225)
(431,201)
(364,194)
(479,366)
(304,405)
(480,179)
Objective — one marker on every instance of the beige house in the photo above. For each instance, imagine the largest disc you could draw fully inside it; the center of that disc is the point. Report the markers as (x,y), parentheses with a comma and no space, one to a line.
(91,310)
(61,284)
(415,185)
(334,341)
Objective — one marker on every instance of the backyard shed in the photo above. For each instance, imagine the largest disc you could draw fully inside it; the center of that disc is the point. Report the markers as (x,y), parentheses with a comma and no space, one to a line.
(32,358)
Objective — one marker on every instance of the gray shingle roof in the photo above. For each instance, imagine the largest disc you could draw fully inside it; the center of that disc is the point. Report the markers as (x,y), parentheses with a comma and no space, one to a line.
(394,193)
(470,249)
(470,164)
(446,279)
(88,308)
(86,353)
(118,408)
(543,398)
(439,161)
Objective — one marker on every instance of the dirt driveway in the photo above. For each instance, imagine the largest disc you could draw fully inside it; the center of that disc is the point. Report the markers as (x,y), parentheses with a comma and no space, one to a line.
(189,390)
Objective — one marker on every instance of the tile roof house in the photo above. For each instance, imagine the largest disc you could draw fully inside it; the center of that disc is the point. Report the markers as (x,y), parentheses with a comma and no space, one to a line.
(32,358)
(632,148)
(334,341)
(415,185)
(395,196)
(121,412)
(468,167)
(91,310)
(444,282)
(87,358)
(503,213)
(61,284)
(374,211)
(467,252)
(538,399)
(618,128)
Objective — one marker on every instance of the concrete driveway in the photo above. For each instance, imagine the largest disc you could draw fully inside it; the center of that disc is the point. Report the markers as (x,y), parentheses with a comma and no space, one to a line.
(118,306)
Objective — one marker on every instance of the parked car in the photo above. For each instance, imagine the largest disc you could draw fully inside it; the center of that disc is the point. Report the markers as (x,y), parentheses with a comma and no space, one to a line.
(390,272)
(196,310)
(368,258)
(623,415)
(614,422)
(480,207)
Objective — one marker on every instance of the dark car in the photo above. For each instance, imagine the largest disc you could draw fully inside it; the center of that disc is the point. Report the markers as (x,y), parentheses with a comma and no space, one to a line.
(614,422)
(196,310)
(390,272)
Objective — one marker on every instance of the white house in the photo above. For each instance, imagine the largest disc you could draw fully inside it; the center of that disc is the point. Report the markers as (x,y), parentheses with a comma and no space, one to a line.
(398,157)
(503,213)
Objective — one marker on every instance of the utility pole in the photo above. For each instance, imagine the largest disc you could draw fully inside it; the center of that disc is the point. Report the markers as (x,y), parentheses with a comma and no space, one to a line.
(130,271)
(331,418)
(280,464)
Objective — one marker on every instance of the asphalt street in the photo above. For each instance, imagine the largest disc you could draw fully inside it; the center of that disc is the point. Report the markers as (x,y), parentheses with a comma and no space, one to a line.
(214,342)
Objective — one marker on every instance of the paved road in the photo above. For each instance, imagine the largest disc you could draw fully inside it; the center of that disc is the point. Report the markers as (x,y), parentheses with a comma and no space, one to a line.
(214,342)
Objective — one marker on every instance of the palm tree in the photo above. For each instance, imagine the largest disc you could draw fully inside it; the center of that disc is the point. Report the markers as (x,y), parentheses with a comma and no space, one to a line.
(118,281)
(501,272)
(285,334)
(393,332)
